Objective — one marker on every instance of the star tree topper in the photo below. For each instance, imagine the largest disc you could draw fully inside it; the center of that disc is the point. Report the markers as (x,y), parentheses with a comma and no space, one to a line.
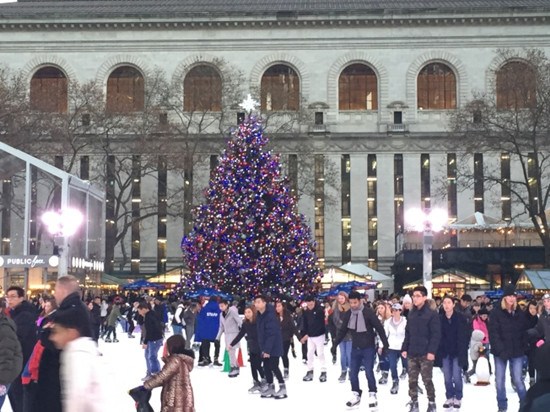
(249,104)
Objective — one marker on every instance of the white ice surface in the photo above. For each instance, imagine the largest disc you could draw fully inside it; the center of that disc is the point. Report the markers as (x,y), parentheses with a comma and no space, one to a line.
(123,366)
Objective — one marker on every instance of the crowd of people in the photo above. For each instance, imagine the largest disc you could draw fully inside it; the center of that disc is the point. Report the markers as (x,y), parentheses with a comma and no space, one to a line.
(42,344)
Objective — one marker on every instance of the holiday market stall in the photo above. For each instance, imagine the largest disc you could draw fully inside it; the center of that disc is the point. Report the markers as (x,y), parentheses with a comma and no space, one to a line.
(453,282)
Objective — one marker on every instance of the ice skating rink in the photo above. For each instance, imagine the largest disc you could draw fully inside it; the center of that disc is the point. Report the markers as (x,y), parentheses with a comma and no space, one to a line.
(123,366)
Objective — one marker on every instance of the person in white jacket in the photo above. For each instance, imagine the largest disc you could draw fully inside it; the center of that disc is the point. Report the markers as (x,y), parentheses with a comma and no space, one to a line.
(81,387)
(230,325)
(395,332)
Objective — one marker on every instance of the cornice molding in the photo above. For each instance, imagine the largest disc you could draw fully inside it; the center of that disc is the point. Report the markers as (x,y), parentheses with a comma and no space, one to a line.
(541,17)
(345,144)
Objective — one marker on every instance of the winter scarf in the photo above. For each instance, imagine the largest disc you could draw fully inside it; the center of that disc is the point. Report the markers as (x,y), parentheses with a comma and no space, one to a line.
(30,372)
(357,320)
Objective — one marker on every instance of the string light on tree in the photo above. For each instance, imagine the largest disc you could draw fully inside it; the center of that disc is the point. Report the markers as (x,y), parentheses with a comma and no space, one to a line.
(248,237)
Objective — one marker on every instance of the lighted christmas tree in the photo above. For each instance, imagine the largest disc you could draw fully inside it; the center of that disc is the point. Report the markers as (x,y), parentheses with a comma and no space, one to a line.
(248,237)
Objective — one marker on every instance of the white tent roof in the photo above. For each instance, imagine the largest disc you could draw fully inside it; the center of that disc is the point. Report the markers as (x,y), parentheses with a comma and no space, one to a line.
(481,221)
(363,270)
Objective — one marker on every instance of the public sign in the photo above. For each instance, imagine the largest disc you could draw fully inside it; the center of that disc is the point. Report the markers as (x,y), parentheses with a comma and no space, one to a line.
(31,261)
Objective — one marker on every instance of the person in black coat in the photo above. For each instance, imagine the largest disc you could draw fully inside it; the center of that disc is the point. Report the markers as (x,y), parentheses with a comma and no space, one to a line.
(508,333)
(288,330)
(152,337)
(543,324)
(95,315)
(362,324)
(47,391)
(270,340)
(422,336)
(24,315)
(250,330)
(532,320)
(67,296)
(11,356)
(538,395)
(452,354)
(314,334)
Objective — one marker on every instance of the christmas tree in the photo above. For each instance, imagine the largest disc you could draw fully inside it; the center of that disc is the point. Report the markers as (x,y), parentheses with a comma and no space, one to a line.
(248,237)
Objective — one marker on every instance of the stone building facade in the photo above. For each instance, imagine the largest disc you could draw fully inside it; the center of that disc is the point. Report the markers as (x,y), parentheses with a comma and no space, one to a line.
(379,85)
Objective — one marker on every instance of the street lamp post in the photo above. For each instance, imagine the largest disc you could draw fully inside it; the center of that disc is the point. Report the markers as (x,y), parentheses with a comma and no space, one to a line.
(427,221)
(64,224)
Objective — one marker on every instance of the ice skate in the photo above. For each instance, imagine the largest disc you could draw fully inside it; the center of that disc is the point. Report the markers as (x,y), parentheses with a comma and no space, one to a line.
(269,392)
(395,387)
(355,400)
(373,402)
(413,406)
(256,388)
(384,379)
(281,393)
(342,377)
(308,377)
(431,407)
(323,377)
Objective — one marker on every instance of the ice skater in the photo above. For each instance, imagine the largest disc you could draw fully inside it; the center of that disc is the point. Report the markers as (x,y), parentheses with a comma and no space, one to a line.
(288,330)
(249,330)
(230,325)
(270,340)
(363,325)
(422,336)
(314,334)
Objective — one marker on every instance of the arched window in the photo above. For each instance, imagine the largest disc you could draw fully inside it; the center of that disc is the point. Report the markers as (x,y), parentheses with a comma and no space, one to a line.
(358,88)
(280,88)
(436,87)
(49,90)
(202,90)
(516,86)
(125,90)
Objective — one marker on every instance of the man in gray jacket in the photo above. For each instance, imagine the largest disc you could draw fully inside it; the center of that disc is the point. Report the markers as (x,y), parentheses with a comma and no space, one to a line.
(230,325)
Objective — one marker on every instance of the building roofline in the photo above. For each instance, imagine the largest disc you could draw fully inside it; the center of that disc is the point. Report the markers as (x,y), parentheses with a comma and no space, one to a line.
(149,14)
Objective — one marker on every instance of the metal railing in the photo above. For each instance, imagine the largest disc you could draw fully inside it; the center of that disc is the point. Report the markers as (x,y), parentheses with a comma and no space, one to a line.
(397,128)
